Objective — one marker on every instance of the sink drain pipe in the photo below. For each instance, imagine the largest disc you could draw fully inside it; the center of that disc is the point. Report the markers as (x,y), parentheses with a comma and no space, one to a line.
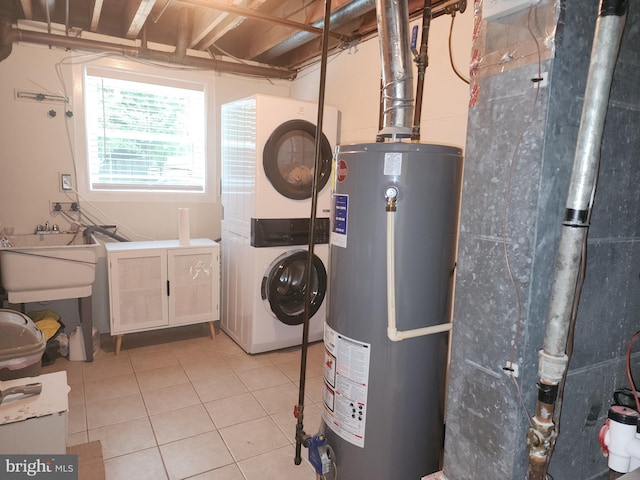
(553,359)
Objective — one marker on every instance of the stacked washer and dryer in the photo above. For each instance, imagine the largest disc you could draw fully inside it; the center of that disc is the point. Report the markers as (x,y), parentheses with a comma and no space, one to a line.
(268,163)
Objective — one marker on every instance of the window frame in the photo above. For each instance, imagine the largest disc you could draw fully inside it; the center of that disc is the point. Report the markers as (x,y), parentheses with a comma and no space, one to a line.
(142,72)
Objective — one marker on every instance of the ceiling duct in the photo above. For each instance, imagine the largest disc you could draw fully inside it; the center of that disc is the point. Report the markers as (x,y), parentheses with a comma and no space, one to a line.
(397,73)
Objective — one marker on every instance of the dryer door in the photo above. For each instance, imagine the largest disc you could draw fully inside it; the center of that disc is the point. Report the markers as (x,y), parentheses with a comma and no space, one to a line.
(284,286)
(289,159)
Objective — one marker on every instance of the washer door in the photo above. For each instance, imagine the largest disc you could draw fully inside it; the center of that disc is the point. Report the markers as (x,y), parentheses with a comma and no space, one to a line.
(289,159)
(284,286)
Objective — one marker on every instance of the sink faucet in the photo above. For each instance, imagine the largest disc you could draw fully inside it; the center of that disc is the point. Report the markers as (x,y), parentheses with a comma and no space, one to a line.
(44,229)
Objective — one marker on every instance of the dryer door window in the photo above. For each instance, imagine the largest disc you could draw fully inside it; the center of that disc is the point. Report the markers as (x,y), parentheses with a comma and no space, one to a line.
(284,287)
(289,159)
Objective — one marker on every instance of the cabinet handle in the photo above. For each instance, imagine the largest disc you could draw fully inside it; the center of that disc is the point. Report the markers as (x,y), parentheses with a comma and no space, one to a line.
(168,289)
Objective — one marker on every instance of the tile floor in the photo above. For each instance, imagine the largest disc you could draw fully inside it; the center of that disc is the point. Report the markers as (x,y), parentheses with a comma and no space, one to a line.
(176,404)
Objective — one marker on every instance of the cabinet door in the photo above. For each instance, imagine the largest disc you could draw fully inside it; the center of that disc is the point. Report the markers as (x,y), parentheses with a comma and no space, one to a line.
(194,275)
(138,290)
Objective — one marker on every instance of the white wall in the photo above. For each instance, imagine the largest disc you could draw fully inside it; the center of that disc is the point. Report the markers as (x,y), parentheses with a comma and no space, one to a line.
(353,85)
(34,148)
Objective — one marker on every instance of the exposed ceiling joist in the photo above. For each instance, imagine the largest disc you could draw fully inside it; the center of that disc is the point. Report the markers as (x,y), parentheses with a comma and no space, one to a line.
(136,15)
(96,10)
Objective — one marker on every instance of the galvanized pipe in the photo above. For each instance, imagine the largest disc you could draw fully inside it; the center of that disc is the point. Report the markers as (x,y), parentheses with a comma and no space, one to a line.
(397,74)
(552,358)
(17,35)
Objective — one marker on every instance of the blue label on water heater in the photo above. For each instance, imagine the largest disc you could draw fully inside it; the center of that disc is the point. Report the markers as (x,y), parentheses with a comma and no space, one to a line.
(339,224)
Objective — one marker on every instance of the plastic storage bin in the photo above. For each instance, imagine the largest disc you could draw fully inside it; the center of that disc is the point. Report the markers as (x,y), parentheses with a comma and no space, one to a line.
(21,346)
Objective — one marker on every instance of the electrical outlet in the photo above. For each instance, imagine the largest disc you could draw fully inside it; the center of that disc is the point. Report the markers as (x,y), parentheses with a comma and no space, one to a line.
(65,182)
(494,9)
(57,207)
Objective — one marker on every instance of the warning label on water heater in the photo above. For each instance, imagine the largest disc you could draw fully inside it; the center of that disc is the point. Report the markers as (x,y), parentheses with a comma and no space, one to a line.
(346,379)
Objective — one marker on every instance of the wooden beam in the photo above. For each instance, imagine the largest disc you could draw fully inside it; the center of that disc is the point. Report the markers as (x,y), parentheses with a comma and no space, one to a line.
(27,8)
(136,15)
(222,22)
(96,11)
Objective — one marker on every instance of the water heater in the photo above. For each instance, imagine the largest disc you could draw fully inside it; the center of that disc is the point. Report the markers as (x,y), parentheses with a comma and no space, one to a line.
(384,398)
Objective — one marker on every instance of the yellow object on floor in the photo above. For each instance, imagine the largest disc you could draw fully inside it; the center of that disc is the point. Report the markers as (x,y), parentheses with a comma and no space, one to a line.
(38,315)
(49,327)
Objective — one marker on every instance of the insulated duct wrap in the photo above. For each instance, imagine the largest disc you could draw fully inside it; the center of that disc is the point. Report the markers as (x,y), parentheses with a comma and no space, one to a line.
(397,73)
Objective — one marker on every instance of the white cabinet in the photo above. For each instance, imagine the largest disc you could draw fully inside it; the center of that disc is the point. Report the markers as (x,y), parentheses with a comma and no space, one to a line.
(162,284)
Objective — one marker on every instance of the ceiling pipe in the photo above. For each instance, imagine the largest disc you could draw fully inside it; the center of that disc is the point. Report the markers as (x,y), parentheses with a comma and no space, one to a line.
(73,43)
(338,18)
(397,73)
(183,36)
(553,360)
(422,61)
(244,12)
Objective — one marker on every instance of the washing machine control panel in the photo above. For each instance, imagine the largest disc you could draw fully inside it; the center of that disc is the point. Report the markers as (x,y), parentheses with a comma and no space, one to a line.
(281,232)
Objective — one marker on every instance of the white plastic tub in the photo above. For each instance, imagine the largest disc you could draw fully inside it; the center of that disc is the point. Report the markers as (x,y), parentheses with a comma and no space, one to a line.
(21,346)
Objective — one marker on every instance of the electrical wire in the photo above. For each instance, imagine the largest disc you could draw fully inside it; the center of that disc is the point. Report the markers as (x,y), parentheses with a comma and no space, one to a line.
(512,162)
(453,65)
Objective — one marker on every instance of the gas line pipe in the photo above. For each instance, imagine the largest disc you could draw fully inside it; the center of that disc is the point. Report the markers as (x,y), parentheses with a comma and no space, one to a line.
(553,359)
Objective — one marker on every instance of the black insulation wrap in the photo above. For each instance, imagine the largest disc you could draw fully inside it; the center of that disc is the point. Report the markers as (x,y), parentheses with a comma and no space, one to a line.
(613,7)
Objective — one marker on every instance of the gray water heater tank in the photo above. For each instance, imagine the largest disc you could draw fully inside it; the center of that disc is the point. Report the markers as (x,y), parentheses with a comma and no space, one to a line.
(384,400)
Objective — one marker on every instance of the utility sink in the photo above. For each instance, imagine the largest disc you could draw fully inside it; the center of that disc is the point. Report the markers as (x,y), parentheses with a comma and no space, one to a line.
(54,266)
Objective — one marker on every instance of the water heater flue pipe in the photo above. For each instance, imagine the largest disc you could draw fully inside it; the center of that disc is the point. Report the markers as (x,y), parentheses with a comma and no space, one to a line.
(552,358)
(397,72)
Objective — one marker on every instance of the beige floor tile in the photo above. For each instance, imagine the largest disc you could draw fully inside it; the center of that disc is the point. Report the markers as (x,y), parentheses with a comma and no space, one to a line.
(142,465)
(219,387)
(263,377)
(313,388)
(76,394)
(114,410)
(125,437)
(170,398)
(77,420)
(77,438)
(252,438)
(287,422)
(106,367)
(292,369)
(161,377)
(182,423)
(225,345)
(233,410)
(281,398)
(276,465)
(153,360)
(197,370)
(195,455)
(110,387)
(239,362)
(198,353)
(228,472)
(284,356)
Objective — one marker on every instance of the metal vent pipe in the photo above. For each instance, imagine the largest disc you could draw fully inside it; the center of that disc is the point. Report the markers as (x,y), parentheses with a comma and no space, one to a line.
(397,73)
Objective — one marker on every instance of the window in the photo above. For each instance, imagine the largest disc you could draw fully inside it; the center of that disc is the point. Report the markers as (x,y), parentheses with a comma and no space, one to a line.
(144,133)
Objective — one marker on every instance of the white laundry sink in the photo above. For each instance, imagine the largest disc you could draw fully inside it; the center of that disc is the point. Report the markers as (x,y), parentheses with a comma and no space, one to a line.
(54,266)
